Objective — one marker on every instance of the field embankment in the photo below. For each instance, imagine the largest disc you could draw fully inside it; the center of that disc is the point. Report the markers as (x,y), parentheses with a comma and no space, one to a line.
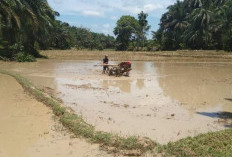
(138,55)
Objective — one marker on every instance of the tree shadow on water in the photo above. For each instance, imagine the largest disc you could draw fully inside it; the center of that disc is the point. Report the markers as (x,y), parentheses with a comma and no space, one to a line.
(229,99)
(225,117)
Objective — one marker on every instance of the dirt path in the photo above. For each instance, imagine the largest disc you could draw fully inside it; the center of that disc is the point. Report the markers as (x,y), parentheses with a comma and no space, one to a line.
(29,129)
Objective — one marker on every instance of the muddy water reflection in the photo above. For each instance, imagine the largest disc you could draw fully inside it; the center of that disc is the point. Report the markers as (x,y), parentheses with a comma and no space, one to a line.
(164,101)
(197,85)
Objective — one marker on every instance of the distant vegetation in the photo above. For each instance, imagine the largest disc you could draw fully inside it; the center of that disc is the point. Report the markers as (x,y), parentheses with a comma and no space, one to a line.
(27,26)
(131,33)
(65,37)
(188,24)
(196,24)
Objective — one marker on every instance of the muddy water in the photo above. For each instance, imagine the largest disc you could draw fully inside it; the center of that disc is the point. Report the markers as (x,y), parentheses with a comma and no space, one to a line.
(165,101)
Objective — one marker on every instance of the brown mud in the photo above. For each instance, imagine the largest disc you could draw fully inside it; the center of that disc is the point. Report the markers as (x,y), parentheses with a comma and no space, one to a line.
(165,101)
(28,128)
(181,55)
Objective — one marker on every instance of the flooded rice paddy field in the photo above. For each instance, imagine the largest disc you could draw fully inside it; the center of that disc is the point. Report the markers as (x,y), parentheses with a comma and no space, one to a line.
(164,101)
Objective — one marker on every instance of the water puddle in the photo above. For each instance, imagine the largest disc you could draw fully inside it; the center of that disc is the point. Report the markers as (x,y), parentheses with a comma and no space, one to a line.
(165,101)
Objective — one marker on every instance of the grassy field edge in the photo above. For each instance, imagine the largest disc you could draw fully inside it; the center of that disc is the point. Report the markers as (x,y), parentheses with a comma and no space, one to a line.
(212,144)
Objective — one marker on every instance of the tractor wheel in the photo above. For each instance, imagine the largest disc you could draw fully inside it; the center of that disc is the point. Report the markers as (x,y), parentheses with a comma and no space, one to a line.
(110,72)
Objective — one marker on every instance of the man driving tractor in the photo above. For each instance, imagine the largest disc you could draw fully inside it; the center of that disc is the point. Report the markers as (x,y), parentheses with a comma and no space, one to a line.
(120,69)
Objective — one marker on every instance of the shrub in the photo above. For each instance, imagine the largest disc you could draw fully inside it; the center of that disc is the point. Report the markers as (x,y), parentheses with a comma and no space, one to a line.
(24,57)
(100,48)
(4,58)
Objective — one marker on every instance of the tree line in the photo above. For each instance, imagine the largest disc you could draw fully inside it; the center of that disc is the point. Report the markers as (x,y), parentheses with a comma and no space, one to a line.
(196,24)
(64,36)
(28,25)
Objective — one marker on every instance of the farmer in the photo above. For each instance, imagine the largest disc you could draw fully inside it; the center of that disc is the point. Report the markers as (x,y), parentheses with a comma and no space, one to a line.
(105,63)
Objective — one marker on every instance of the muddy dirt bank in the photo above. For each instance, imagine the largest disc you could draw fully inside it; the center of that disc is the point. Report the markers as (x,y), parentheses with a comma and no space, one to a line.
(28,128)
(184,55)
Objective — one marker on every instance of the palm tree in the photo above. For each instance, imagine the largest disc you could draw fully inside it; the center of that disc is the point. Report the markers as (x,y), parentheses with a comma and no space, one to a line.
(223,25)
(7,14)
(9,23)
(175,22)
(198,34)
(60,36)
(144,27)
(201,24)
(8,18)
(25,21)
(193,4)
(219,2)
(193,37)
(37,24)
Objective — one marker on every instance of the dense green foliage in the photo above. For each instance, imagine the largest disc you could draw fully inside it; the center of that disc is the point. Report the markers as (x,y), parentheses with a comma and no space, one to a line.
(29,25)
(24,57)
(83,38)
(196,24)
(131,33)
(64,36)
(23,23)
(126,31)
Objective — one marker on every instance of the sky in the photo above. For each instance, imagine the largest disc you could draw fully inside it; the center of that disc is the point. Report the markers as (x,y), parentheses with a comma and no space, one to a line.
(101,15)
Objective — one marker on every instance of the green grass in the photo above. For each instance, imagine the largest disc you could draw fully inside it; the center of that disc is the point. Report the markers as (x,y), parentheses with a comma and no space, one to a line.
(216,144)
(24,57)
